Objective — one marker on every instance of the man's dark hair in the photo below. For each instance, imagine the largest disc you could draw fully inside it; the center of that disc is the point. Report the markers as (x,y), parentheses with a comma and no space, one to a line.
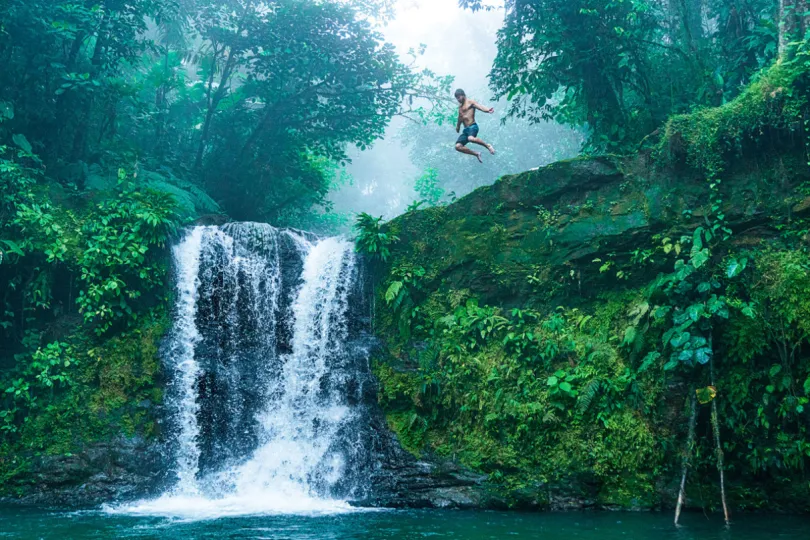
(460,92)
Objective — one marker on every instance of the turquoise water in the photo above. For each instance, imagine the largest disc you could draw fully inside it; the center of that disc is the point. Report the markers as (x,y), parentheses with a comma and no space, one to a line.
(19,523)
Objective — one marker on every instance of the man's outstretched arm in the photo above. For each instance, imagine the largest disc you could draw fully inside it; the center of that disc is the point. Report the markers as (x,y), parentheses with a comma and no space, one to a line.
(458,123)
(481,107)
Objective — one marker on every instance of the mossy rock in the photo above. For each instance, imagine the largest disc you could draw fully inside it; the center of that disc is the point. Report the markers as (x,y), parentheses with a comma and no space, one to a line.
(101,433)
(583,237)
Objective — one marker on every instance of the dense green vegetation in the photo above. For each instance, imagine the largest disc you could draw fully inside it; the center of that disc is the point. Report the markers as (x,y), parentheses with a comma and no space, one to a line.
(622,68)
(600,329)
(626,329)
(122,121)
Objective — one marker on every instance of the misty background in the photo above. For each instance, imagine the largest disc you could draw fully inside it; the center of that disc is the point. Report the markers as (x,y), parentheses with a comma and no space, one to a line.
(416,161)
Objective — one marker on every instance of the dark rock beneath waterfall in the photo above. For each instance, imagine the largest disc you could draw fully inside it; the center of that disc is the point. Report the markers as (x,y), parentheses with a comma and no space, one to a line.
(426,484)
(431,481)
(212,219)
(117,470)
(400,480)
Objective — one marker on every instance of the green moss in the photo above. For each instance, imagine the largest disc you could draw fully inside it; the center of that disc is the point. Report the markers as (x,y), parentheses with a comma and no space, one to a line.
(629,491)
(708,136)
(467,386)
(397,389)
(125,371)
(611,312)
(114,393)
(410,429)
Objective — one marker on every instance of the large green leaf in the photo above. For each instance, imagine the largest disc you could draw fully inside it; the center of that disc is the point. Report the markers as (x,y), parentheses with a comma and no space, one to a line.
(20,140)
(6,111)
(680,340)
(630,335)
(703,355)
(695,311)
(686,356)
(735,266)
(705,395)
(13,247)
(648,361)
(697,241)
(393,291)
(699,258)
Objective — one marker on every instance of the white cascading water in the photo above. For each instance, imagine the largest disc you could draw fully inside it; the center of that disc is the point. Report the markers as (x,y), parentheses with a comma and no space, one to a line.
(231,306)
(187,261)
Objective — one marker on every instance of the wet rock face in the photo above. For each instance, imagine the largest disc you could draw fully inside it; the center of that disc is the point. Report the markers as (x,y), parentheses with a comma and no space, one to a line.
(558,225)
(403,481)
(559,218)
(117,470)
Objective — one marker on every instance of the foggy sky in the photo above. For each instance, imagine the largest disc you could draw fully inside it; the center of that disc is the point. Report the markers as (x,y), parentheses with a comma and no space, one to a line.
(459,43)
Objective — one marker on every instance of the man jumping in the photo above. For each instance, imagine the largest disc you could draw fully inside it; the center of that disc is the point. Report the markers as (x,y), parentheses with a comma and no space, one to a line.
(466,116)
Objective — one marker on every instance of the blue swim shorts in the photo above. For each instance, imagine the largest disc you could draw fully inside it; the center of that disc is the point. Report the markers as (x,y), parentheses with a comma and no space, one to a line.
(470,131)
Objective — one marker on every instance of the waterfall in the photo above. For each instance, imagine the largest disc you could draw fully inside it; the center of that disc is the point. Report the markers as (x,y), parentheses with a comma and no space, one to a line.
(269,370)
(185,337)
(298,454)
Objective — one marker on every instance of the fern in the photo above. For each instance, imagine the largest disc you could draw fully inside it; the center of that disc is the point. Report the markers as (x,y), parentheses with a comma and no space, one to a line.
(393,291)
(370,238)
(402,299)
(415,420)
(648,361)
(404,315)
(550,418)
(588,394)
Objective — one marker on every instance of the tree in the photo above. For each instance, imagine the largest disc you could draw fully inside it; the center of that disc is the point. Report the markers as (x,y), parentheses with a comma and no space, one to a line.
(621,68)
(252,101)
(313,79)
(793,25)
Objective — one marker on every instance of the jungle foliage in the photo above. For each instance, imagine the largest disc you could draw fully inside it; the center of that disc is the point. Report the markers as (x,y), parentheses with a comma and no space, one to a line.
(122,121)
(589,390)
(240,98)
(621,68)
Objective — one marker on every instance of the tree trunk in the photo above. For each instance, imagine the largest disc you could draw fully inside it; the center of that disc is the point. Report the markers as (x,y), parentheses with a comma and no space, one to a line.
(793,24)
(213,103)
(209,112)
(692,21)
(80,136)
(161,105)
(213,100)
(785,25)
(687,454)
(718,448)
(256,133)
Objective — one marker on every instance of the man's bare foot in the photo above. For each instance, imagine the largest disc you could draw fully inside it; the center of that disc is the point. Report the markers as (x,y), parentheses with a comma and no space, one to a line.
(491,150)
(478,155)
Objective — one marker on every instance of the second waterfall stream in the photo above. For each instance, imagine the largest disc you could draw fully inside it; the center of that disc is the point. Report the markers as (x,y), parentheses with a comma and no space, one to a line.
(268,363)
